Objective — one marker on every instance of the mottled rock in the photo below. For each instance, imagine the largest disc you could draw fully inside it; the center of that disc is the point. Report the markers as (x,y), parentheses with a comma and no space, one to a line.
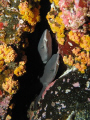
(68,98)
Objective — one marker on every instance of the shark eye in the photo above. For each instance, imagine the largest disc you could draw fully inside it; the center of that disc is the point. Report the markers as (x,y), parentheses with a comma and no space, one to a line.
(42,47)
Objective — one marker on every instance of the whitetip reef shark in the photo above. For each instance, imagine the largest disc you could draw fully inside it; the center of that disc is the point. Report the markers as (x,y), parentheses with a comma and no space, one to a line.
(50,71)
(45,46)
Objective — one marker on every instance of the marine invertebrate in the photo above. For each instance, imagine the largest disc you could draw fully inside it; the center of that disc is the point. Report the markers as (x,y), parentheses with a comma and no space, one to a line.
(82,40)
(55,1)
(30,15)
(7,55)
(11,13)
(9,82)
(10,67)
(10,85)
(56,24)
(8,117)
(20,70)
(80,54)
(9,33)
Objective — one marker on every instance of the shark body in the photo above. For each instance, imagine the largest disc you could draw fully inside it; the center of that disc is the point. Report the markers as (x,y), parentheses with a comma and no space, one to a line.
(50,71)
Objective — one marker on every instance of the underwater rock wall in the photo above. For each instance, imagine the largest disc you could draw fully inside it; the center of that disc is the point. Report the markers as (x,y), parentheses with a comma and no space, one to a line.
(69,20)
(66,94)
(67,98)
(16,18)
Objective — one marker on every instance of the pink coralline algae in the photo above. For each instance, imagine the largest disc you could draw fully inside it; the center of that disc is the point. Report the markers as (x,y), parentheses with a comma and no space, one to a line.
(76,84)
(4,106)
(74,12)
(47,88)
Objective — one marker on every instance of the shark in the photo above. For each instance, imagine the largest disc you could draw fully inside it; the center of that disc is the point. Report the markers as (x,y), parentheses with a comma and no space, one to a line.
(50,71)
(45,46)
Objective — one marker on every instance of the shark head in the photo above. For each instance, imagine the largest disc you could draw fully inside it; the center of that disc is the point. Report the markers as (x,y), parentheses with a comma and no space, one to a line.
(45,46)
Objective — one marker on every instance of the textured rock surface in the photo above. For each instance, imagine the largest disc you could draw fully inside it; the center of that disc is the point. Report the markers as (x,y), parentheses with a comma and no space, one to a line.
(68,94)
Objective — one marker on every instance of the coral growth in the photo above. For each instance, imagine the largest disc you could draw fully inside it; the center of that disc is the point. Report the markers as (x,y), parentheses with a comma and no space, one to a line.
(13,13)
(20,70)
(69,20)
(83,40)
(14,21)
(56,2)
(31,15)
(10,85)
(11,67)
(16,17)
(7,55)
(56,24)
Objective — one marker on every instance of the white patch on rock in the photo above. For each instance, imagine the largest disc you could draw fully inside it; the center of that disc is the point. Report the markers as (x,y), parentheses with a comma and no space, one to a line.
(63,106)
(88,84)
(68,71)
(70,43)
(71,115)
(67,90)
